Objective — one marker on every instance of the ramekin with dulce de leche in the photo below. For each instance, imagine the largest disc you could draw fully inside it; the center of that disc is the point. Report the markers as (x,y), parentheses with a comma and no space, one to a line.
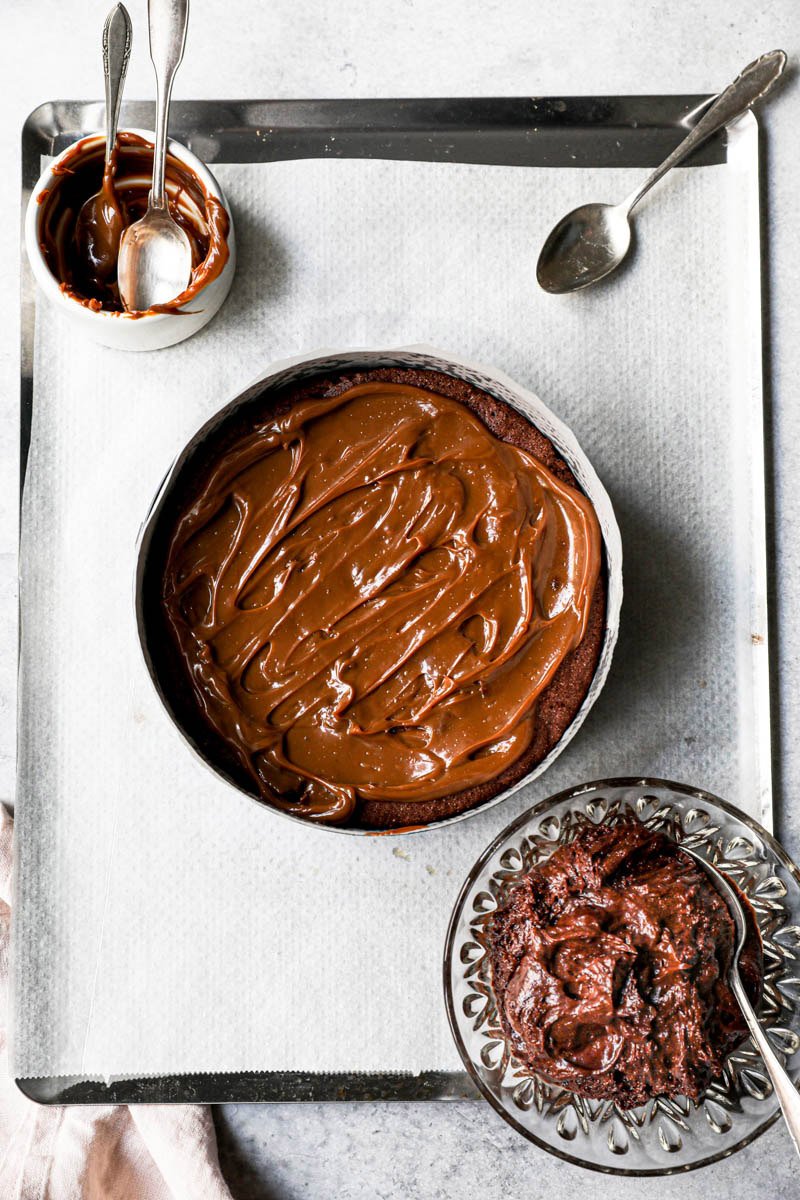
(86,290)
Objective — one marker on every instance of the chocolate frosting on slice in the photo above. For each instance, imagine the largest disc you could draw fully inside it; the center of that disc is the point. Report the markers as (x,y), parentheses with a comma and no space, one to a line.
(370,591)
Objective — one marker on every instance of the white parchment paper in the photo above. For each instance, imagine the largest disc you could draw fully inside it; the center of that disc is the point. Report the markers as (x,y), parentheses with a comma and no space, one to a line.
(163,923)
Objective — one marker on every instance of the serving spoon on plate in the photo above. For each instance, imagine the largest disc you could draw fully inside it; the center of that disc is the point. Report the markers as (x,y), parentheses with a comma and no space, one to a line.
(785,1090)
(591,241)
(155,255)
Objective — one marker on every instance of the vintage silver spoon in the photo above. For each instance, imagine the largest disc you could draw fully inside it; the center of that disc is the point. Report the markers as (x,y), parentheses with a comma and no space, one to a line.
(785,1090)
(155,255)
(591,241)
(100,222)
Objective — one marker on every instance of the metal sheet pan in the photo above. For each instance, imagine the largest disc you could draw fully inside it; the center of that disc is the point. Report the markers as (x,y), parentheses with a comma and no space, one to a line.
(633,131)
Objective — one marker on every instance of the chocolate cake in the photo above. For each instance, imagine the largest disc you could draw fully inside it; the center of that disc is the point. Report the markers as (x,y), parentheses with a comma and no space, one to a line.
(383,594)
(610,968)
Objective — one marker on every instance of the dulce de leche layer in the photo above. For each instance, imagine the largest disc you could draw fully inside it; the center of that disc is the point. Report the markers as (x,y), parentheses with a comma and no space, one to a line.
(369,593)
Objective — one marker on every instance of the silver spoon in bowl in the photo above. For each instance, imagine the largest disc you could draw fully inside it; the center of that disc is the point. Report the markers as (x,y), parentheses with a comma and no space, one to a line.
(155,255)
(591,241)
(785,1090)
(100,222)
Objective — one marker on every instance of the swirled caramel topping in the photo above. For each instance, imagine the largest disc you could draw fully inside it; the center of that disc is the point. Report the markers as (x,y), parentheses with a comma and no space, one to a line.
(369,593)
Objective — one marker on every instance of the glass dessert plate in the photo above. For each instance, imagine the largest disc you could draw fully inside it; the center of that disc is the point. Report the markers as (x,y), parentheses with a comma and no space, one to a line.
(668,1134)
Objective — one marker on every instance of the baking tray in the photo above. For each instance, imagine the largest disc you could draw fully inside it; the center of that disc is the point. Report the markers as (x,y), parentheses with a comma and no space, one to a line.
(603,131)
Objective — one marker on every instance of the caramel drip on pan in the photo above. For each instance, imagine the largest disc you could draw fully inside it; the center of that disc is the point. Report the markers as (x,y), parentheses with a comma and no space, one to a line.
(370,592)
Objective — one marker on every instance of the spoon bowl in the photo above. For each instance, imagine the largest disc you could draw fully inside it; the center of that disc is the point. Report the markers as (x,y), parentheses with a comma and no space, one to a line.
(586,245)
(98,232)
(155,261)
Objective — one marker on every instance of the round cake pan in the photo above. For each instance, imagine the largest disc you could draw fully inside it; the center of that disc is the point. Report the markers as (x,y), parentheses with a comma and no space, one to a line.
(161,659)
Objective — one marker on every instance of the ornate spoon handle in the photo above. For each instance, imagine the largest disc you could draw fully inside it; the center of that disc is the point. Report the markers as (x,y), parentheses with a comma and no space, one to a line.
(117,34)
(168,20)
(753,83)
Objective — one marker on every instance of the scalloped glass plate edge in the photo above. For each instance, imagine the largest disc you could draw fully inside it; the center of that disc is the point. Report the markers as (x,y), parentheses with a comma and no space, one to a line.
(669,1135)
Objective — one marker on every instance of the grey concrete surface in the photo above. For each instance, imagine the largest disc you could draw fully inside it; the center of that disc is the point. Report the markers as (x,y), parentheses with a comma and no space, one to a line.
(293,48)
(442,1151)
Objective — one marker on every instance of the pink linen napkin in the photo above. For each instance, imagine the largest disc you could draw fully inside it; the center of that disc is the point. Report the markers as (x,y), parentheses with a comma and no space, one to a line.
(99,1152)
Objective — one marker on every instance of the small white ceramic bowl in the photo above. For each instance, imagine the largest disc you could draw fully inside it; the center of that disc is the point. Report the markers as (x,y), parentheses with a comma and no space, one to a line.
(155,330)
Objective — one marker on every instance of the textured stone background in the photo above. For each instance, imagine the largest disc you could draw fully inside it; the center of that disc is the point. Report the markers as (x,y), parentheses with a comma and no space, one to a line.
(298,48)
